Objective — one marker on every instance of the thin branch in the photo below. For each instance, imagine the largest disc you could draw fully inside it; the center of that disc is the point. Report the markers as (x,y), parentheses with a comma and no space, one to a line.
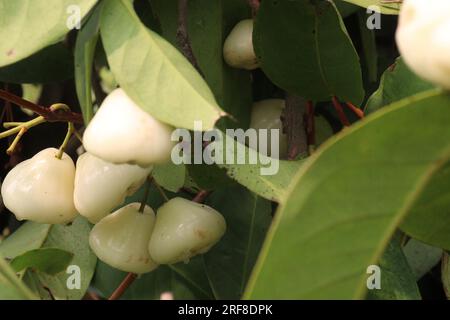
(126,282)
(340,111)
(310,123)
(294,127)
(359,113)
(201,196)
(183,36)
(47,113)
(254,4)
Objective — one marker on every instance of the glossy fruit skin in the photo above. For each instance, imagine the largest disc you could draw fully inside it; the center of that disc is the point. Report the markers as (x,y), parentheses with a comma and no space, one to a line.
(41,188)
(121,239)
(101,186)
(184,229)
(121,132)
(266,114)
(238,49)
(423,39)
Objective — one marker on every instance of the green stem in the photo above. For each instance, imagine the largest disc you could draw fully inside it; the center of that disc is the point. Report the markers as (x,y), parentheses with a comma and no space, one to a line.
(16,140)
(8,125)
(70,130)
(160,190)
(26,125)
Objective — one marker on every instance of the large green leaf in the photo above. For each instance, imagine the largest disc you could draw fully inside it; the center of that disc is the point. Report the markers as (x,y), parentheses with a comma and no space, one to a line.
(304,48)
(378,5)
(48,260)
(349,197)
(152,72)
(84,59)
(398,282)
(209,23)
(429,218)
(51,64)
(230,262)
(396,83)
(170,176)
(30,25)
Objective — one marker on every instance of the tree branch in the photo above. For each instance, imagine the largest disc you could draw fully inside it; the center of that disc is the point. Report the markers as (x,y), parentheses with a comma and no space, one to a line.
(126,282)
(294,127)
(183,36)
(201,196)
(47,113)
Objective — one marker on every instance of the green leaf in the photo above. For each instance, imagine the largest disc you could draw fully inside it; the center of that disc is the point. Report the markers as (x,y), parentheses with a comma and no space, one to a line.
(304,48)
(377,5)
(398,282)
(30,25)
(181,280)
(230,261)
(347,200)
(11,287)
(271,186)
(29,236)
(48,260)
(428,219)
(170,176)
(209,23)
(396,83)
(421,257)
(152,72)
(84,60)
(51,64)
(445,272)
(369,47)
(72,238)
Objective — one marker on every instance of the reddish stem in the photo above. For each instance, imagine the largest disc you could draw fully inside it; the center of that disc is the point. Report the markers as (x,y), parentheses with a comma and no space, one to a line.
(126,282)
(359,113)
(47,113)
(254,4)
(201,196)
(310,123)
(340,111)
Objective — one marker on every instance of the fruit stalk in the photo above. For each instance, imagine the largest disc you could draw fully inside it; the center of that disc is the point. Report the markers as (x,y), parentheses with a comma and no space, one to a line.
(123,286)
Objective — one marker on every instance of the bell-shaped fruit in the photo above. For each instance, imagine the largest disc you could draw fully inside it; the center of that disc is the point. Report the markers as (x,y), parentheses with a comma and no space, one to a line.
(184,229)
(121,239)
(41,188)
(101,186)
(266,114)
(238,49)
(423,39)
(121,132)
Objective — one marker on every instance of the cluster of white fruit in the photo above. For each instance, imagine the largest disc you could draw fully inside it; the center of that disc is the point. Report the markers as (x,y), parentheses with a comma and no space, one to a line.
(122,143)
(423,38)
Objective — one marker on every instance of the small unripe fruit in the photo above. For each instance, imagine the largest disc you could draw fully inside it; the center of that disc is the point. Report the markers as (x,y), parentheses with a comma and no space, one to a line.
(266,114)
(184,229)
(121,132)
(238,49)
(121,239)
(101,186)
(423,39)
(41,188)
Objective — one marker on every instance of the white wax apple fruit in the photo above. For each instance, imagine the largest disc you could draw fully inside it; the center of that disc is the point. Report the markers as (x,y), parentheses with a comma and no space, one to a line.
(238,49)
(41,188)
(101,186)
(121,132)
(423,39)
(121,239)
(266,114)
(184,229)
